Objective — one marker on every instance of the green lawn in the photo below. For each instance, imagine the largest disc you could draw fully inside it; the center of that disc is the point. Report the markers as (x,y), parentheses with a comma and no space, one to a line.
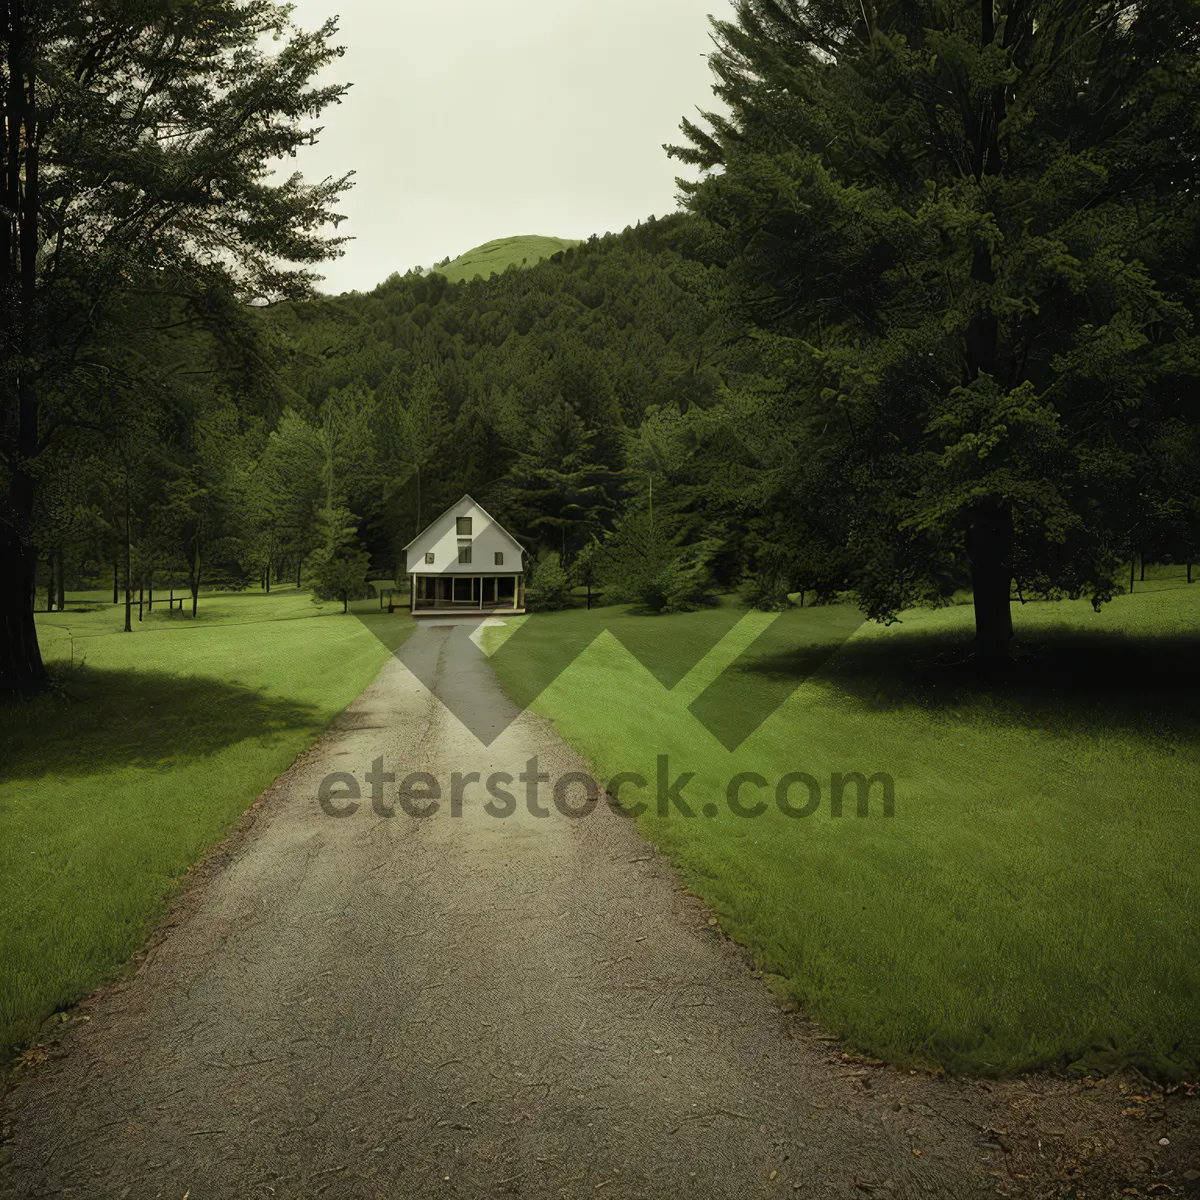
(1030,902)
(141,757)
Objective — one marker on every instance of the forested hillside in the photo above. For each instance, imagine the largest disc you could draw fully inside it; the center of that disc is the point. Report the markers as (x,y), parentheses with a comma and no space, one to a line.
(528,390)
(560,395)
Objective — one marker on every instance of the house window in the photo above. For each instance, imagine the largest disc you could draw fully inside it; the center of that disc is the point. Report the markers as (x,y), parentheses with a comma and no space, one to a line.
(499,558)
(464,527)
(429,557)
(464,554)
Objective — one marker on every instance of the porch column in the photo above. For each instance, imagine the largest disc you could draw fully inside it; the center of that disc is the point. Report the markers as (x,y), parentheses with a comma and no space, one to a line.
(481,591)
(515,589)
(412,594)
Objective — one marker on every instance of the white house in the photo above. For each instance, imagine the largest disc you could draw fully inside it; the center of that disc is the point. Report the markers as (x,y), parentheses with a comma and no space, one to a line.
(465,561)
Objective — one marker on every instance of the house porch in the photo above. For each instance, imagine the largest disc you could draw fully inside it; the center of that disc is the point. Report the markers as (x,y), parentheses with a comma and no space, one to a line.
(461,594)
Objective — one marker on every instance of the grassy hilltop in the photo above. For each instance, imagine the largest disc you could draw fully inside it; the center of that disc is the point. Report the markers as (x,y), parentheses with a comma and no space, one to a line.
(495,256)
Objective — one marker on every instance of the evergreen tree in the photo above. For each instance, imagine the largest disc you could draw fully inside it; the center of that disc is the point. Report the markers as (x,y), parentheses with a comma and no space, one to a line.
(339,571)
(648,562)
(557,490)
(421,427)
(963,234)
(549,587)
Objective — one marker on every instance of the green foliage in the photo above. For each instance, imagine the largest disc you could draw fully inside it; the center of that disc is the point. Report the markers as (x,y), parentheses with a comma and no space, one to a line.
(339,569)
(286,491)
(549,587)
(587,567)
(556,490)
(644,564)
(420,428)
(141,141)
(520,389)
(765,590)
(967,251)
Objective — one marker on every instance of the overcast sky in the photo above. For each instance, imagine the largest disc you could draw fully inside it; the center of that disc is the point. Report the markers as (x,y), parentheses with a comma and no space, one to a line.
(477,119)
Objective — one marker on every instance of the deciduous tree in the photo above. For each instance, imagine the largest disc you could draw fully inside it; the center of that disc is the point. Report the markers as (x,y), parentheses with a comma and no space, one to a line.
(134,160)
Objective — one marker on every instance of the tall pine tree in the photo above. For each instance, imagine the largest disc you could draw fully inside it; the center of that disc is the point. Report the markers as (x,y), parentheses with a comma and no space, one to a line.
(965,234)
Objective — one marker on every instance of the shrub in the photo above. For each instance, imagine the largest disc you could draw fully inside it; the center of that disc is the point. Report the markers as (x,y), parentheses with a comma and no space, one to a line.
(765,590)
(550,586)
(643,564)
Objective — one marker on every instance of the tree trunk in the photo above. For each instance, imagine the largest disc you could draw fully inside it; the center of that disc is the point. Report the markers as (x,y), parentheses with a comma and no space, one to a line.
(128,565)
(62,583)
(192,533)
(141,597)
(589,599)
(116,578)
(1142,576)
(22,672)
(1132,564)
(989,544)
(50,582)
(299,565)
(267,576)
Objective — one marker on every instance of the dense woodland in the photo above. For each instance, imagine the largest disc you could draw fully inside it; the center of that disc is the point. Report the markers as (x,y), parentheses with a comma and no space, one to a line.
(553,394)
(926,323)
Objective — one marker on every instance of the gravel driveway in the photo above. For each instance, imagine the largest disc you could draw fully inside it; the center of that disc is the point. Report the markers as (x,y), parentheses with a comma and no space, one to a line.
(471,1005)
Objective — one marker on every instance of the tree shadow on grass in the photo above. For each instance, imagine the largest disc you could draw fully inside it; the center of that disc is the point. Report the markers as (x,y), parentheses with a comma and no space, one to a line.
(794,646)
(1062,680)
(92,719)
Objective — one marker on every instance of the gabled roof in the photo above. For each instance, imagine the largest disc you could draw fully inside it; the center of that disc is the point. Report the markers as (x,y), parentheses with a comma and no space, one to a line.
(464,499)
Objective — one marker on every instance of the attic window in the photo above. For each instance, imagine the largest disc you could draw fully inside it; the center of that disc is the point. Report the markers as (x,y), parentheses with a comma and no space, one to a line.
(499,558)
(464,526)
(464,554)
(429,558)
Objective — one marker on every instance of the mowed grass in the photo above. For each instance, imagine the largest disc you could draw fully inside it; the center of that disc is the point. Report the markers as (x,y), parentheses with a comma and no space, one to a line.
(1032,901)
(141,757)
(496,256)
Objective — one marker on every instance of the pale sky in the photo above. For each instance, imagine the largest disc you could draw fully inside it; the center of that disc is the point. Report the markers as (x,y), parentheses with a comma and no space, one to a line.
(478,119)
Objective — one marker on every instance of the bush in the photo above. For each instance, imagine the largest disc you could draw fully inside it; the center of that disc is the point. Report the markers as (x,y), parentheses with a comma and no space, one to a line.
(549,587)
(765,590)
(644,565)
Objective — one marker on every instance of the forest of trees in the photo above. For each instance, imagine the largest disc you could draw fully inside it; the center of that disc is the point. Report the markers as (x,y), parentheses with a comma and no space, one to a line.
(927,323)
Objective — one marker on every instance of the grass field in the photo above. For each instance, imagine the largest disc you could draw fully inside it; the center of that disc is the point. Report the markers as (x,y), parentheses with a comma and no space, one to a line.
(141,757)
(1031,903)
(495,256)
